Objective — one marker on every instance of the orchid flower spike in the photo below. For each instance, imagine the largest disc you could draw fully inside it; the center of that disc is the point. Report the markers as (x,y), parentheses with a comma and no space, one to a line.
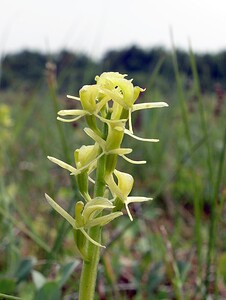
(107,107)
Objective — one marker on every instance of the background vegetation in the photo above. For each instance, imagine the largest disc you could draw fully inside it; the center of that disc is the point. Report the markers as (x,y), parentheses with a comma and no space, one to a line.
(176,247)
(26,68)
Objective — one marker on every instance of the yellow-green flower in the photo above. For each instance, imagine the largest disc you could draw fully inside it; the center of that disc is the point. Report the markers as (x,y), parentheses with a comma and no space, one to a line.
(86,216)
(122,189)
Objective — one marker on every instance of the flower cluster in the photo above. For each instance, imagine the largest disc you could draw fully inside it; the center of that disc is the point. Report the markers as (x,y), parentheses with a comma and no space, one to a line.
(107,107)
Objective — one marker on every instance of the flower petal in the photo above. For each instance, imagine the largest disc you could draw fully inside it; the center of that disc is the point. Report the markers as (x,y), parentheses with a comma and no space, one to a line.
(133,200)
(125,182)
(90,239)
(137,199)
(114,187)
(95,137)
(62,164)
(78,171)
(135,162)
(73,97)
(69,120)
(148,105)
(126,131)
(72,112)
(96,205)
(110,120)
(120,151)
(104,219)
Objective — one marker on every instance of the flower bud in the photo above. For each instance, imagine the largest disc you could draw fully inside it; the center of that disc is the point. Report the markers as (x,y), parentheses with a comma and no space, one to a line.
(88,97)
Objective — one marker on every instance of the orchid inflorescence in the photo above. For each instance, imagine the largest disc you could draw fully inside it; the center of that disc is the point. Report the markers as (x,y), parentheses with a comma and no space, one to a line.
(107,107)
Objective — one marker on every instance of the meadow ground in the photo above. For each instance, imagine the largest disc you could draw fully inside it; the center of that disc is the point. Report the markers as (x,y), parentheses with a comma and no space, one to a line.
(176,246)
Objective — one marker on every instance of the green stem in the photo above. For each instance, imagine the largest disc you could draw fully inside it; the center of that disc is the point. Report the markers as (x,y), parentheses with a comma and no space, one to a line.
(90,265)
(89,268)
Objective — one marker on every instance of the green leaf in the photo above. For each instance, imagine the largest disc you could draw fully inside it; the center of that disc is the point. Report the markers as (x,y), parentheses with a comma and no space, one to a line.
(24,268)
(66,271)
(7,285)
(26,290)
(49,291)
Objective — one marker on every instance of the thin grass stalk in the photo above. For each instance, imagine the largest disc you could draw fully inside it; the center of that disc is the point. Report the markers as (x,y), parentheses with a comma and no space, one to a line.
(155,72)
(215,186)
(111,276)
(220,174)
(181,97)
(170,260)
(214,219)
(6,225)
(197,207)
(27,112)
(25,230)
(180,165)
(202,114)
(64,227)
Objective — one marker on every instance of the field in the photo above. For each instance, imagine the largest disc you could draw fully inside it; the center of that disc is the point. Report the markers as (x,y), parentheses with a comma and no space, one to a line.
(176,246)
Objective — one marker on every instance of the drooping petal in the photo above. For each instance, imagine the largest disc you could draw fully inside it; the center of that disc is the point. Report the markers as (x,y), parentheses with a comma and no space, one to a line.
(110,120)
(128,212)
(130,122)
(126,131)
(90,239)
(135,162)
(69,120)
(134,200)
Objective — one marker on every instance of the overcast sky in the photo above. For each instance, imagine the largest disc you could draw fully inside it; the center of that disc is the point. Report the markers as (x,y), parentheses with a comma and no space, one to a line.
(95,26)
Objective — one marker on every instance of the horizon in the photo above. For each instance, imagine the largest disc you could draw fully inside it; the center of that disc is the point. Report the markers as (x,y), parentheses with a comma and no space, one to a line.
(144,49)
(94,28)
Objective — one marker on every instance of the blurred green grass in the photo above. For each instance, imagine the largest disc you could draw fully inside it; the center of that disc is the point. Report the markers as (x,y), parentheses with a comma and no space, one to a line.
(176,246)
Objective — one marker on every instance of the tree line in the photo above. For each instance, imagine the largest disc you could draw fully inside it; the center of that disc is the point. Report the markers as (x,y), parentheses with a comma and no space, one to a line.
(27,68)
